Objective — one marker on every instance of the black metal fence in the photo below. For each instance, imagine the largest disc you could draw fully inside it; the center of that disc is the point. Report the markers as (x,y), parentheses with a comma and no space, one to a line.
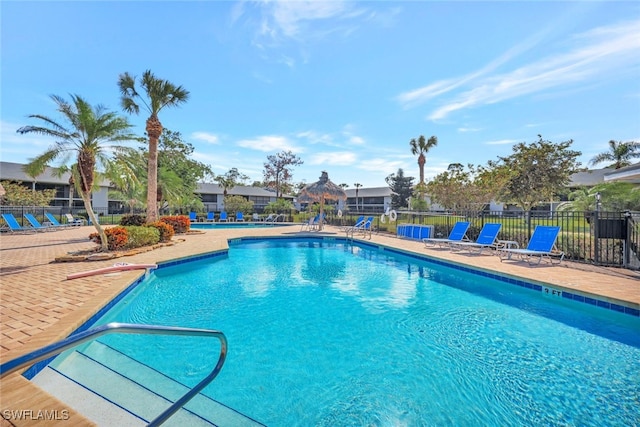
(598,238)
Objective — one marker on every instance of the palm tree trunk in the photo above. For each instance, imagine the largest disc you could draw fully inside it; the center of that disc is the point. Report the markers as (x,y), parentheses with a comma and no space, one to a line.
(154,130)
(421,162)
(86,198)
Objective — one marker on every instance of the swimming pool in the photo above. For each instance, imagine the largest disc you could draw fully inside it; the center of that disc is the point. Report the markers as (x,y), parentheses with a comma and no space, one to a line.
(333,333)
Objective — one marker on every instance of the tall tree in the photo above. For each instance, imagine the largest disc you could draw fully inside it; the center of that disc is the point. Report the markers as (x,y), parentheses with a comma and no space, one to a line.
(86,135)
(178,173)
(158,94)
(535,172)
(620,153)
(464,190)
(357,185)
(277,170)
(230,179)
(401,187)
(420,147)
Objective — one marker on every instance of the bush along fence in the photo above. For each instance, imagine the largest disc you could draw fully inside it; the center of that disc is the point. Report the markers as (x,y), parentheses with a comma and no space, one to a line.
(598,238)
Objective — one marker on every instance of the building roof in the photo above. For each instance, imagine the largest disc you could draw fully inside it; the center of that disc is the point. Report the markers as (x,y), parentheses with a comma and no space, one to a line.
(13,172)
(588,178)
(238,190)
(369,192)
(629,174)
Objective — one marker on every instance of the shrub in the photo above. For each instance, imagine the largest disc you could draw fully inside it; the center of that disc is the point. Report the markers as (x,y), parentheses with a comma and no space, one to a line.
(180,223)
(117,238)
(166,231)
(142,236)
(133,220)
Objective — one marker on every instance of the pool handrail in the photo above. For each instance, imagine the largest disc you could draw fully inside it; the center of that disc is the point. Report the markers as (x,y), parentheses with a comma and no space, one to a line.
(126,328)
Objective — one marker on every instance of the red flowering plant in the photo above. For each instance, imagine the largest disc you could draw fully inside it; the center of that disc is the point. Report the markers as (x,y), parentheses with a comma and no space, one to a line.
(180,223)
(166,230)
(117,238)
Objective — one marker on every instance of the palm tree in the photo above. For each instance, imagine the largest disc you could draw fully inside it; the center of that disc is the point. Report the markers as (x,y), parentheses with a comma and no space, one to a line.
(620,153)
(357,185)
(90,130)
(230,179)
(422,147)
(159,94)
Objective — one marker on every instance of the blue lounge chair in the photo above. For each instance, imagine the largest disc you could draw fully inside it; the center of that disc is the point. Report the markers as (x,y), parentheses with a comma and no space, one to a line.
(311,224)
(36,224)
(223,217)
(54,221)
(541,245)
(458,234)
(211,217)
(363,226)
(488,238)
(13,226)
(193,217)
(239,217)
(359,222)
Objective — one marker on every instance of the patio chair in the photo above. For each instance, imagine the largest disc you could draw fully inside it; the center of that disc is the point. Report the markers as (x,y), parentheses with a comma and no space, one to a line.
(13,226)
(363,226)
(74,221)
(359,222)
(211,217)
(458,234)
(193,217)
(311,224)
(36,224)
(54,221)
(239,217)
(223,217)
(487,238)
(541,245)
(255,217)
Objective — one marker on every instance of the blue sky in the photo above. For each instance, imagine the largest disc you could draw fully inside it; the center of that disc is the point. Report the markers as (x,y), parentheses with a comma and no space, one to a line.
(344,85)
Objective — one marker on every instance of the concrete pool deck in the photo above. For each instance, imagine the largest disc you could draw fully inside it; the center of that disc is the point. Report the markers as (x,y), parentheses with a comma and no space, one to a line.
(38,306)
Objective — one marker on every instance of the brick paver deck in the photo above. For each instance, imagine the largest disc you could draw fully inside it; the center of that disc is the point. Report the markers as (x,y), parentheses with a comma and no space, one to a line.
(39,306)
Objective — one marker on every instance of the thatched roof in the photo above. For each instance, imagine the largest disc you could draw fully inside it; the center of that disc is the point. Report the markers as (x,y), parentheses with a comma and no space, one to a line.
(323,189)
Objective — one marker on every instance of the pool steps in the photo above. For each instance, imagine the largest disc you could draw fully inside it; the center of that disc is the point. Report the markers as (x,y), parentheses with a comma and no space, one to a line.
(129,386)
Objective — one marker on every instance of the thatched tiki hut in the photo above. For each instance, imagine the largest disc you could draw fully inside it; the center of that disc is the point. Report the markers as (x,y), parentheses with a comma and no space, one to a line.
(323,190)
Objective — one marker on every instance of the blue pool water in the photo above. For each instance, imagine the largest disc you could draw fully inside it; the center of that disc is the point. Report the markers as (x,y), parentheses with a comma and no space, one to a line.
(330,333)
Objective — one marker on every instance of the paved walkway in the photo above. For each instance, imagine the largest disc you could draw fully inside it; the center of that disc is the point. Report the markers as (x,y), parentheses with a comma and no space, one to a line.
(38,305)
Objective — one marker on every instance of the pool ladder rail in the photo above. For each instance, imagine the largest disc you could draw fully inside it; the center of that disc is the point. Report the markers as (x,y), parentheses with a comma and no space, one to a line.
(126,328)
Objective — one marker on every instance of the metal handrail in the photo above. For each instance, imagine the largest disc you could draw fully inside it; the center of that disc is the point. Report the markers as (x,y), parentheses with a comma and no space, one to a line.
(126,328)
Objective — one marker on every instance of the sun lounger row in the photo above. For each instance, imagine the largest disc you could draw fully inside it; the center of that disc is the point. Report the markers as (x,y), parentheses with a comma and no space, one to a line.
(541,244)
(12,225)
(211,217)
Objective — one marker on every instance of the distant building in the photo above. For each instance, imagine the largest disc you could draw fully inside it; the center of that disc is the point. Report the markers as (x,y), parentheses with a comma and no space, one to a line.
(211,194)
(626,174)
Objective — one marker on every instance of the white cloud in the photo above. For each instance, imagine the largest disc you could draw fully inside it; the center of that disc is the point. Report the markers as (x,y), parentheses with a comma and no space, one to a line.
(270,143)
(339,158)
(384,165)
(466,129)
(288,17)
(356,140)
(595,55)
(207,137)
(314,137)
